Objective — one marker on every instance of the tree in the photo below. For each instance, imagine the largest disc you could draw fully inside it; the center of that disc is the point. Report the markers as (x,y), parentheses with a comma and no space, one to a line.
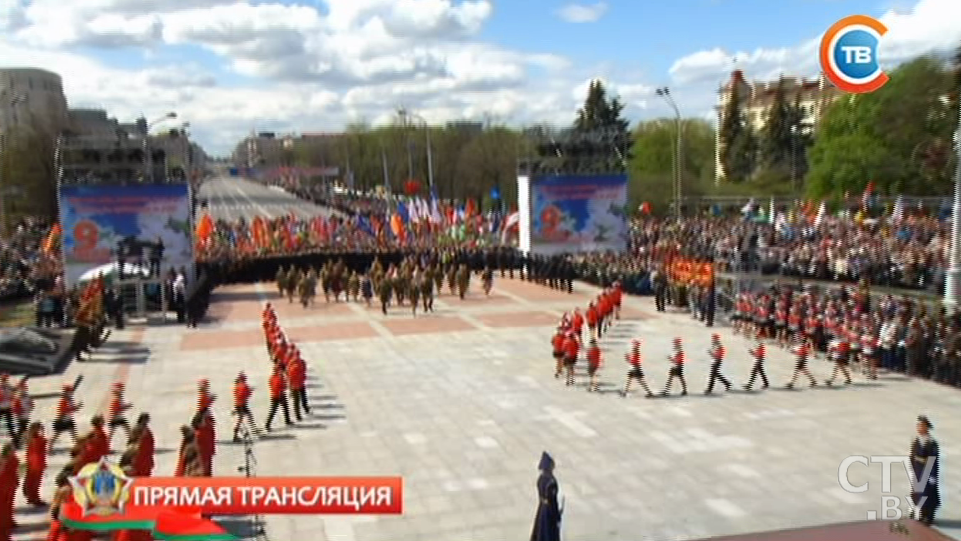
(738,142)
(777,141)
(599,130)
(595,113)
(652,162)
(897,137)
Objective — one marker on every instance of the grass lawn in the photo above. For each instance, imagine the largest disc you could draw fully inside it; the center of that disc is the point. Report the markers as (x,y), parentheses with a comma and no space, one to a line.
(17,313)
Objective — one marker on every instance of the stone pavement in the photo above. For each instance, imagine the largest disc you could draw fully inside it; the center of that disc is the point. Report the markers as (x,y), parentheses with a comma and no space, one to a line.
(462,402)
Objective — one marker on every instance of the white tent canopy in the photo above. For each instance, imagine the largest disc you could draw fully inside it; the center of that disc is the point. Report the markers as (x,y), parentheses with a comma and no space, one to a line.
(110,271)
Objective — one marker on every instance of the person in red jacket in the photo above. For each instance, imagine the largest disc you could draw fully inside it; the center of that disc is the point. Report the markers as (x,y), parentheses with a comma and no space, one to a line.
(603,314)
(145,446)
(9,480)
(188,449)
(297,378)
(205,399)
(677,360)
(636,372)
(571,348)
(840,353)
(801,354)
(242,393)
(759,352)
(593,365)
(36,464)
(557,343)
(206,444)
(591,317)
(64,422)
(716,352)
(278,398)
(99,442)
(577,323)
(22,411)
(63,494)
(116,411)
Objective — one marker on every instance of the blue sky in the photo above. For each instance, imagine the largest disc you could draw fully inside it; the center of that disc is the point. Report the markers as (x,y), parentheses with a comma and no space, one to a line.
(318,65)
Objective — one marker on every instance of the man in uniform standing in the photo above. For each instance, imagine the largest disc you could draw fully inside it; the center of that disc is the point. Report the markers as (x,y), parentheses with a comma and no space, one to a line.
(659,283)
(547,520)
(926,472)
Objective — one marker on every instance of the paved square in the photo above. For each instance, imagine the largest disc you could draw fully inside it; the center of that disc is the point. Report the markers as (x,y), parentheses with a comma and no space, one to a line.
(463,410)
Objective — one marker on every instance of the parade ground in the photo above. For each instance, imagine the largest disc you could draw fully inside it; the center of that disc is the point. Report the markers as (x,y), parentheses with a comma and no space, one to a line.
(462,402)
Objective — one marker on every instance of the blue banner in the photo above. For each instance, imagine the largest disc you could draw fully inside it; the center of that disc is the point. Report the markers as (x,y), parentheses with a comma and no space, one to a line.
(96,218)
(574,213)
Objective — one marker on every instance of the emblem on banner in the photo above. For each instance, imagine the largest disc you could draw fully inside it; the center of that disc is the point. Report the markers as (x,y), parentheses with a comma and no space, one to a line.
(101,488)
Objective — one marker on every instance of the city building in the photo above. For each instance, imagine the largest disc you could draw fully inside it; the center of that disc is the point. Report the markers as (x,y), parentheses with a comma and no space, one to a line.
(758,96)
(32,97)
(262,149)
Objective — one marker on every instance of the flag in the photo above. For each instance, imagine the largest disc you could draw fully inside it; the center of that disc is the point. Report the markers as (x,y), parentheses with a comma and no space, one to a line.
(51,243)
(897,214)
(413,210)
(770,212)
(822,211)
(403,213)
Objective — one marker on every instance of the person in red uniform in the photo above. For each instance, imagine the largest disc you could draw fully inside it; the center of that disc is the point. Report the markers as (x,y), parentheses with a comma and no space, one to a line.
(759,353)
(278,398)
(577,323)
(206,444)
(36,464)
(22,410)
(297,377)
(145,446)
(557,343)
(716,352)
(242,393)
(63,494)
(116,411)
(603,314)
(64,422)
(802,351)
(617,295)
(635,372)
(99,442)
(571,348)
(591,316)
(9,480)
(677,361)
(205,399)
(188,449)
(840,353)
(593,365)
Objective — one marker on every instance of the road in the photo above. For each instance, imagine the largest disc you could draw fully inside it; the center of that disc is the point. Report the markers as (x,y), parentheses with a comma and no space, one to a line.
(231,198)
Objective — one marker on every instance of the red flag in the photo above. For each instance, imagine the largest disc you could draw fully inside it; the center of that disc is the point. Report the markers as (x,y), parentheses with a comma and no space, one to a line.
(866,196)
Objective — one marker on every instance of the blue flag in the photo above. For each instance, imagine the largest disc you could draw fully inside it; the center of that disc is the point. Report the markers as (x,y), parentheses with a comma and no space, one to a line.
(402,211)
(495,193)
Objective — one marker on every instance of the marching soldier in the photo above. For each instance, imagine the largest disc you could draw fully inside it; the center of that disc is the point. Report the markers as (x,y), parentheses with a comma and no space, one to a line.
(413,290)
(97,441)
(840,353)
(36,464)
(146,445)
(716,353)
(635,373)
(293,279)
(801,352)
(677,361)
(592,320)
(593,365)
(452,279)
(577,323)
(353,286)
(557,342)
(384,292)
(281,280)
(242,393)
(427,291)
(64,421)
(278,399)
(759,352)
(22,411)
(463,281)
(116,410)
(487,279)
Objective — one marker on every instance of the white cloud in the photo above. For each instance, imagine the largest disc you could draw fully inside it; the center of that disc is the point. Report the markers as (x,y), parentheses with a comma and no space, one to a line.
(323,64)
(581,13)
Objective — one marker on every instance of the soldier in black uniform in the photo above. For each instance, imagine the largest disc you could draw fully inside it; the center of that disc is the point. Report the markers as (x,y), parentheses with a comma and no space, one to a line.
(926,470)
(659,283)
(547,520)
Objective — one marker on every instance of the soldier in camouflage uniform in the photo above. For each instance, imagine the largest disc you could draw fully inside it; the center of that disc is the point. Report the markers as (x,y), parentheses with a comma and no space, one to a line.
(384,292)
(303,289)
(413,290)
(463,280)
(452,279)
(281,280)
(293,280)
(325,280)
(437,275)
(353,286)
(427,291)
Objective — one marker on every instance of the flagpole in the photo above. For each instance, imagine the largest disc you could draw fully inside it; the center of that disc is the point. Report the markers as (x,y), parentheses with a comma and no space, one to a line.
(383,161)
(952,287)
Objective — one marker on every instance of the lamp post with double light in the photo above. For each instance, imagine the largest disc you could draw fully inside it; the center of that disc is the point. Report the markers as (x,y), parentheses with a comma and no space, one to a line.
(430,156)
(952,286)
(665,93)
(145,146)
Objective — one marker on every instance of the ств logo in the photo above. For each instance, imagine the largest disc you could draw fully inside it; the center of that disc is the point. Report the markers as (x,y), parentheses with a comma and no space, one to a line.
(849,54)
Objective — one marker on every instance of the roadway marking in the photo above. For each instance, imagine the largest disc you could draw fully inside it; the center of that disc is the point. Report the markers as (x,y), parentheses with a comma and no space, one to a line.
(725,508)
(570,421)
(486,442)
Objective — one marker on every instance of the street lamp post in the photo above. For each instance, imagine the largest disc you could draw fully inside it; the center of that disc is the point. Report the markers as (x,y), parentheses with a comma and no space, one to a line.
(430,156)
(794,134)
(665,92)
(14,102)
(952,288)
(148,156)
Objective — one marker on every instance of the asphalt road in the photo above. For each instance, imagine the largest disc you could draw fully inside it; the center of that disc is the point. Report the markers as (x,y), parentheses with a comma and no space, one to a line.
(231,198)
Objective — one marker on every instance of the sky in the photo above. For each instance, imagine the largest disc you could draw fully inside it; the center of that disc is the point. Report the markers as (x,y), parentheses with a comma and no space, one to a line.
(299,66)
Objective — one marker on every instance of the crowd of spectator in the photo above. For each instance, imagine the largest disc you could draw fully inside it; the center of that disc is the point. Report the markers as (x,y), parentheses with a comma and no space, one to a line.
(24,266)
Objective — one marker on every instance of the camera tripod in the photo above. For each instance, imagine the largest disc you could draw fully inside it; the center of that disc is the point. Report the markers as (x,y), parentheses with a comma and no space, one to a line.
(258,528)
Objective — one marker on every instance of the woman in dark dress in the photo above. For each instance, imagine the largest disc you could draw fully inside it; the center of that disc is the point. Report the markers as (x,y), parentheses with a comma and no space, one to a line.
(926,469)
(547,521)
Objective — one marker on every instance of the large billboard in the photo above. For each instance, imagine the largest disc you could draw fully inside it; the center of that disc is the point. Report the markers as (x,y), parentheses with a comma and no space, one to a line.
(578,213)
(95,218)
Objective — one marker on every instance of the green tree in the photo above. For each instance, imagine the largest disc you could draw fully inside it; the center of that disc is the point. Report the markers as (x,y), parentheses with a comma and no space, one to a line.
(777,144)
(897,137)
(738,142)
(652,162)
(599,130)
(595,114)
